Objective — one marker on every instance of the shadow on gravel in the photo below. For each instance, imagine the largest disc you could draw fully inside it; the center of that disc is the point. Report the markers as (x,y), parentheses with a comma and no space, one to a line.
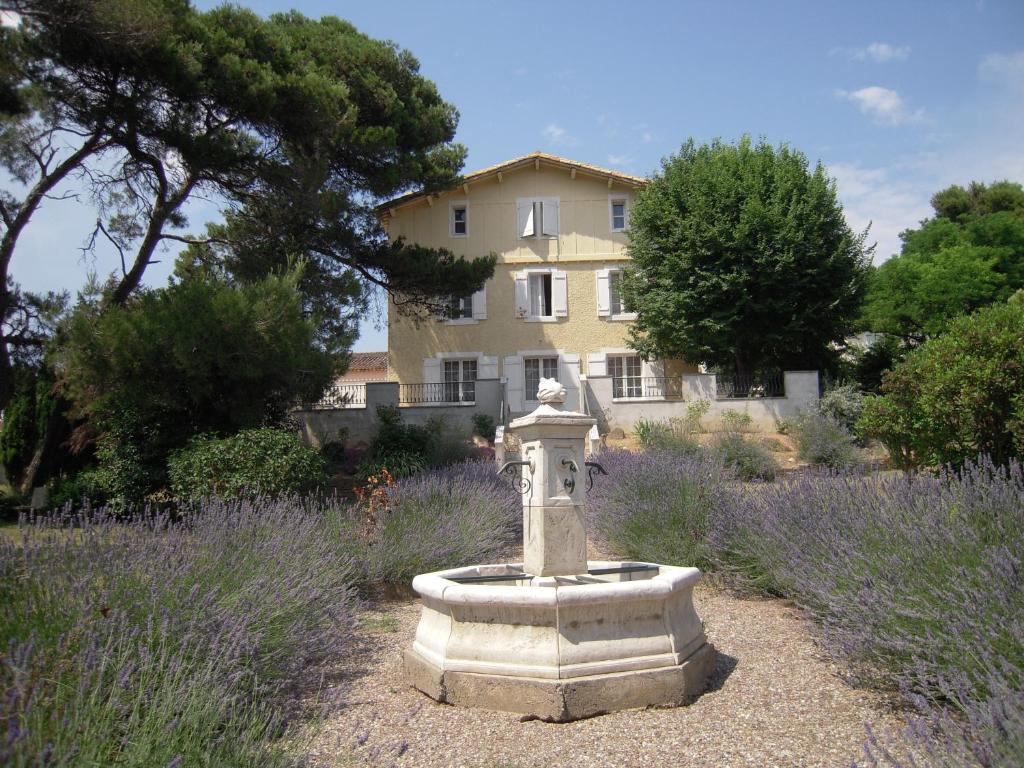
(724,665)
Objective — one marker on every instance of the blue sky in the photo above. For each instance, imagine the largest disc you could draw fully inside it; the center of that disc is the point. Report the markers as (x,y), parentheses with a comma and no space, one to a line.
(898,99)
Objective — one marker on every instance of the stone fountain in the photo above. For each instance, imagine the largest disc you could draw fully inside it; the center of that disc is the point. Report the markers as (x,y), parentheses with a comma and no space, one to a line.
(557,637)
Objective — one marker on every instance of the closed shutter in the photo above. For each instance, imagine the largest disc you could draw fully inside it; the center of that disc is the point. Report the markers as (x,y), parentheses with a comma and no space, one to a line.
(569,377)
(526,219)
(549,217)
(480,304)
(513,370)
(604,297)
(431,370)
(559,294)
(488,367)
(522,295)
(597,364)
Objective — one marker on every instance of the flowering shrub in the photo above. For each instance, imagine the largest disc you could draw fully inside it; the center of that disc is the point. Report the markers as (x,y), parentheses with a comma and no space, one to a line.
(824,442)
(656,505)
(749,460)
(152,641)
(442,518)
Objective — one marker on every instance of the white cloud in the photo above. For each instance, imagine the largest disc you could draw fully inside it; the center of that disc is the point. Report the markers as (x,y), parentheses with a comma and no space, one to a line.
(880,52)
(9,19)
(647,137)
(882,104)
(1008,67)
(557,136)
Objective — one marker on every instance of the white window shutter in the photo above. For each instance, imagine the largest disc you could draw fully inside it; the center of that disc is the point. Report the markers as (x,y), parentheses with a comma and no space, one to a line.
(522,295)
(559,293)
(526,219)
(480,304)
(569,377)
(488,368)
(549,218)
(604,295)
(597,364)
(515,383)
(431,370)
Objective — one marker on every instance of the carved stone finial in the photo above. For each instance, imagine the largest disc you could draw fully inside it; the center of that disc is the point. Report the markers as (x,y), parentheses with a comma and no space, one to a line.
(550,391)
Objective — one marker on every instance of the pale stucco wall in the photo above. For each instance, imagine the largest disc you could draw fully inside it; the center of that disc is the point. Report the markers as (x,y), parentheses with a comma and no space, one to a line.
(586,244)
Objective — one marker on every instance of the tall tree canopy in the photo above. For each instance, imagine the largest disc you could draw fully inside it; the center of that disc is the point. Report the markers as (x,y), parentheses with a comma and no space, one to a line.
(151,102)
(969,255)
(742,259)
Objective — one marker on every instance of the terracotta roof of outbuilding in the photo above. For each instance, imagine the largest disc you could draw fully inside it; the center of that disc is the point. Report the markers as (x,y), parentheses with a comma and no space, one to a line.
(368,361)
(517,162)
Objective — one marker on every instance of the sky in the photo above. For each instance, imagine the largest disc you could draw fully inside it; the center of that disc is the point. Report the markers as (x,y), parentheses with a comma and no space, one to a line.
(897,99)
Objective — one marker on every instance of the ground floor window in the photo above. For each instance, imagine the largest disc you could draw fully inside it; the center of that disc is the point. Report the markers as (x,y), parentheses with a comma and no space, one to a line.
(625,373)
(459,381)
(537,368)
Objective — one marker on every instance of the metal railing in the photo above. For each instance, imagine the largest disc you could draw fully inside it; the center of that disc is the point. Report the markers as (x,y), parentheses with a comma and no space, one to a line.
(637,387)
(440,393)
(341,396)
(748,387)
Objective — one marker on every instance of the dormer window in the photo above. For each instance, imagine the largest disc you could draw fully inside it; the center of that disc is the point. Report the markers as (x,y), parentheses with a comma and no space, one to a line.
(459,219)
(537,217)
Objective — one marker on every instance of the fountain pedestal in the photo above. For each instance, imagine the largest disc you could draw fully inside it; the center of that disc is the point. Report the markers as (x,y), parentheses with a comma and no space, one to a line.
(557,637)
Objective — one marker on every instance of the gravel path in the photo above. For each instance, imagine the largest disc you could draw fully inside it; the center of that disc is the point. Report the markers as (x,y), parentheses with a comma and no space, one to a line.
(774,701)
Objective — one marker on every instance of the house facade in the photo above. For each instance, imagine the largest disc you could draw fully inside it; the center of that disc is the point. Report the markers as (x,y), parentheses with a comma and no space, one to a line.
(552,309)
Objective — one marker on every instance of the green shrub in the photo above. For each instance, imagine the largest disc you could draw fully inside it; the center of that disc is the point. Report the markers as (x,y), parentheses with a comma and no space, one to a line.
(255,462)
(695,411)
(484,426)
(736,421)
(83,486)
(672,435)
(823,441)
(748,460)
(398,446)
(843,404)
(956,396)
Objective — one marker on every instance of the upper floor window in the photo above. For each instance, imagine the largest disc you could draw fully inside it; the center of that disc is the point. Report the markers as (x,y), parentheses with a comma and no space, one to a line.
(537,216)
(541,294)
(617,210)
(610,302)
(459,219)
(536,368)
(460,308)
(465,308)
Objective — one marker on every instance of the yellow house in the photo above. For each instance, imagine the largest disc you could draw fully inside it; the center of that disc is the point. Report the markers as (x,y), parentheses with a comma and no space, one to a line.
(552,308)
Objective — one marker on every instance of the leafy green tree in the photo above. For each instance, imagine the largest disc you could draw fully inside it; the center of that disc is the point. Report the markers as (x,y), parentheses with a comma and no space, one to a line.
(742,259)
(160,102)
(956,396)
(969,255)
(201,356)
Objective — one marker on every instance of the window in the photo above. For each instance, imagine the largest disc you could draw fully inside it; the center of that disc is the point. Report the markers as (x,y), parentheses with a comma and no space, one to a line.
(459,381)
(625,372)
(460,308)
(535,369)
(537,217)
(615,301)
(459,220)
(539,288)
(618,213)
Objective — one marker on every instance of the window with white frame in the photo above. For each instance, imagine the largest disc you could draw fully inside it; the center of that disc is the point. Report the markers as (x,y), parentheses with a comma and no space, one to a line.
(459,308)
(625,373)
(459,219)
(459,381)
(536,368)
(617,211)
(539,288)
(537,217)
(616,303)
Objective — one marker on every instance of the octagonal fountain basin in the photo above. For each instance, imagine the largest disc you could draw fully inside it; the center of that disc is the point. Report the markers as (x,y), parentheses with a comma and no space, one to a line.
(559,648)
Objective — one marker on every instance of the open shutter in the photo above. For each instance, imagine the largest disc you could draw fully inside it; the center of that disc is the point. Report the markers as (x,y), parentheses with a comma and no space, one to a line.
(569,377)
(559,294)
(604,295)
(515,382)
(526,219)
(522,295)
(488,368)
(597,364)
(549,217)
(480,304)
(431,370)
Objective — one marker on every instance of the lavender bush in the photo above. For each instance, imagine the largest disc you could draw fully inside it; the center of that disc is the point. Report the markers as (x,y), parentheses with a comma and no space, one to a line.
(152,641)
(459,515)
(656,506)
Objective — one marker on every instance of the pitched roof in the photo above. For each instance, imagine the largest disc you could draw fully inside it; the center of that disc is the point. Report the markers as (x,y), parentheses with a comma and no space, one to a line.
(368,361)
(515,163)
